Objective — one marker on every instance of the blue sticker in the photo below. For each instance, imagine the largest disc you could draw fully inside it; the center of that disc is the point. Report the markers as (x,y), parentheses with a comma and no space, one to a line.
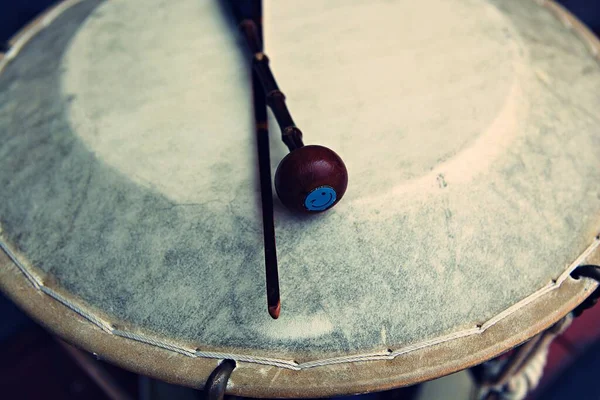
(320,199)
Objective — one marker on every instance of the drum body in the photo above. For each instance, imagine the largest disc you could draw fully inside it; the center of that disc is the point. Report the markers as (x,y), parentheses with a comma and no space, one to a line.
(130,210)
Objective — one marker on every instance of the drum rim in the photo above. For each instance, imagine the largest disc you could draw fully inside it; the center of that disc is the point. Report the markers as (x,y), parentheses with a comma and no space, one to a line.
(421,364)
(152,356)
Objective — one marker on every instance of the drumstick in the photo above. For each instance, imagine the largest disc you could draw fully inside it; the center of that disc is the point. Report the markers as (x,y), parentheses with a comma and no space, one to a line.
(290,133)
(324,178)
(266,191)
(310,178)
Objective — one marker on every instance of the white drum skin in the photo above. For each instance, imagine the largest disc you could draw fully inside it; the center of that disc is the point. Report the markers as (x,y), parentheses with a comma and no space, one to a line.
(471,149)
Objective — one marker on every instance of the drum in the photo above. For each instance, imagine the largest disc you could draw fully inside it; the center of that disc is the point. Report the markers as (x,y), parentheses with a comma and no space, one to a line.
(130,204)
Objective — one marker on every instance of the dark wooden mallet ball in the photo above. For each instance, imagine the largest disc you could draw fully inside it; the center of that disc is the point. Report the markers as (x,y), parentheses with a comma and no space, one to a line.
(311,179)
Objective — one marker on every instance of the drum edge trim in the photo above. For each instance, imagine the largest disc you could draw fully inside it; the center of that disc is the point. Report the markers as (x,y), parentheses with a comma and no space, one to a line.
(17,42)
(570,22)
(388,354)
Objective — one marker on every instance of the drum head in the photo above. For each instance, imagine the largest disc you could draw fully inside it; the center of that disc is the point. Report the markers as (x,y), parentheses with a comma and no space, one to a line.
(130,204)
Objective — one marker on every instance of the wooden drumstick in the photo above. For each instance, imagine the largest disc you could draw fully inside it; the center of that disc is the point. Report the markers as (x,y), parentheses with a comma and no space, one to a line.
(310,178)
(264,168)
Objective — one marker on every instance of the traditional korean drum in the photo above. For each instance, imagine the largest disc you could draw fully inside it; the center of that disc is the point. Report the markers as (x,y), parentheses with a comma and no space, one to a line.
(130,206)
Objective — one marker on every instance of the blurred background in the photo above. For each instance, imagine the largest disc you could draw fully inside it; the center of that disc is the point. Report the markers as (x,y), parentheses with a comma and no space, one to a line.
(35,365)
(16,13)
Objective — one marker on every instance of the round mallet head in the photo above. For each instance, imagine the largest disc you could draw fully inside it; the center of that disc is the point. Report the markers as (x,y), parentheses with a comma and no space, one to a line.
(311,179)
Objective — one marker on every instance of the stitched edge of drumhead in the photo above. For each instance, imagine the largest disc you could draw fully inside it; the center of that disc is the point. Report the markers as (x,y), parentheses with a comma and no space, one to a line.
(253,378)
(38,282)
